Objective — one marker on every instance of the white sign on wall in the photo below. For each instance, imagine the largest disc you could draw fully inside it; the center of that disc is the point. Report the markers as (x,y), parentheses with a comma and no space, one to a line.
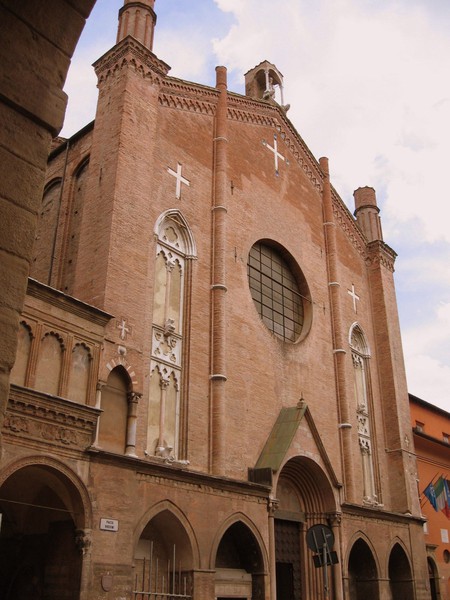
(109,525)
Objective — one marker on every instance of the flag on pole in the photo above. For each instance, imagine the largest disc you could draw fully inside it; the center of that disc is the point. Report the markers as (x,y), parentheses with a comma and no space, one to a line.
(442,493)
(431,495)
(446,509)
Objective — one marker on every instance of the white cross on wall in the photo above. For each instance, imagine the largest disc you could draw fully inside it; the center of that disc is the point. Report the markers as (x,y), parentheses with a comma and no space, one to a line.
(274,149)
(354,296)
(123,329)
(180,180)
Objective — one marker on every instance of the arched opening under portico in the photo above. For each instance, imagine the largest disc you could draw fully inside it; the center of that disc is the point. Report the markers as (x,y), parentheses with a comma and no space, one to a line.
(42,535)
(400,575)
(433,576)
(163,559)
(362,573)
(239,565)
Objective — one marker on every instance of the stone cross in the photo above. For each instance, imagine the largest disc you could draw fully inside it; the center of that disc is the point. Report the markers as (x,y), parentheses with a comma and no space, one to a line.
(180,179)
(354,296)
(123,329)
(275,152)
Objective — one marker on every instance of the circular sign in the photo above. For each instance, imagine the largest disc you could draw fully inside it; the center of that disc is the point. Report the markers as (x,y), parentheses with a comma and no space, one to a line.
(319,536)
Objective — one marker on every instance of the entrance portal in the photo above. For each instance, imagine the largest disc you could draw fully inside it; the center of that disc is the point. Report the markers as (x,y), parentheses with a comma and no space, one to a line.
(288,559)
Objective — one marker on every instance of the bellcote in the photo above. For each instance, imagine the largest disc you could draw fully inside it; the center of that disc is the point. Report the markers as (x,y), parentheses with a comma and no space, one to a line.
(265,82)
(137,19)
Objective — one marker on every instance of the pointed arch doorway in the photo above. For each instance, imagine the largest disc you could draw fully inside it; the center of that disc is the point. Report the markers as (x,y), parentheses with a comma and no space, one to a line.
(362,573)
(239,565)
(42,535)
(400,575)
(305,498)
(164,559)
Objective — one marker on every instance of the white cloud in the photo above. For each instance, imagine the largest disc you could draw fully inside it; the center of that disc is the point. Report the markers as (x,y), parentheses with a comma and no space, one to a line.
(187,61)
(427,357)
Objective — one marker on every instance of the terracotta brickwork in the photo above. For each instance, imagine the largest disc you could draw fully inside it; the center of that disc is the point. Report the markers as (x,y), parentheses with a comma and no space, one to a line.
(202,429)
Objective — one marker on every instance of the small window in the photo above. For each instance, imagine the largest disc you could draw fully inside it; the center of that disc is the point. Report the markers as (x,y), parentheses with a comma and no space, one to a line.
(279,291)
(446,437)
(420,427)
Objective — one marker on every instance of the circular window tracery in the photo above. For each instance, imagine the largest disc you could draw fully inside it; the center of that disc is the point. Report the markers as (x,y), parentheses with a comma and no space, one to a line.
(279,291)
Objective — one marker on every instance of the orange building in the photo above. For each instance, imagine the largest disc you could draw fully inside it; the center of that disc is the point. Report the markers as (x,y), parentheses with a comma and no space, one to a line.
(431,428)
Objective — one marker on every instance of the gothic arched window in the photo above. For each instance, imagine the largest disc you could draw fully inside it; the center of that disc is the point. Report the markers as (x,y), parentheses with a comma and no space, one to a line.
(75,211)
(360,358)
(44,242)
(174,249)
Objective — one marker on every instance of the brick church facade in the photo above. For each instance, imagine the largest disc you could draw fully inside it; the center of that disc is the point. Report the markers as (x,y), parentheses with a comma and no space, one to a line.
(209,382)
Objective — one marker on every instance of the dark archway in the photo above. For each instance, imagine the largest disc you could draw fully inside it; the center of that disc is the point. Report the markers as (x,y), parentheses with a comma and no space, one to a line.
(400,575)
(362,573)
(163,558)
(433,576)
(42,520)
(239,565)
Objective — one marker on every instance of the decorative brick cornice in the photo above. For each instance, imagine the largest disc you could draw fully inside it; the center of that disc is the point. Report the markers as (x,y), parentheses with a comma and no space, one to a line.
(189,104)
(348,224)
(55,297)
(379,253)
(131,53)
(256,118)
(41,418)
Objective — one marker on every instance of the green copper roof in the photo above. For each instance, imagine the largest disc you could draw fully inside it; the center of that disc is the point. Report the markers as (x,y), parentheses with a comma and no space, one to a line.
(281,436)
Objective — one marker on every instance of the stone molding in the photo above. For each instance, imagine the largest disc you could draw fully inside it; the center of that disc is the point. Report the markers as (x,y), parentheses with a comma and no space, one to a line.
(186,103)
(67,303)
(41,418)
(380,254)
(348,225)
(130,52)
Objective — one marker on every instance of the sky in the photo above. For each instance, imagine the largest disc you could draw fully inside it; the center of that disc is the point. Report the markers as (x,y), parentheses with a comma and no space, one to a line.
(369,87)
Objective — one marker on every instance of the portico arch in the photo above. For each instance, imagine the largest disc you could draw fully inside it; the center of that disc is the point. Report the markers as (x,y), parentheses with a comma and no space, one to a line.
(239,561)
(400,574)
(363,572)
(164,555)
(45,532)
